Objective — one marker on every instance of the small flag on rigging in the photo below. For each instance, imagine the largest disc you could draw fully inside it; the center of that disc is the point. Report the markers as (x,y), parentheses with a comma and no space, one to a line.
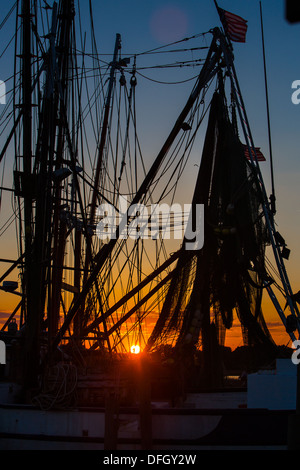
(235,26)
(258,153)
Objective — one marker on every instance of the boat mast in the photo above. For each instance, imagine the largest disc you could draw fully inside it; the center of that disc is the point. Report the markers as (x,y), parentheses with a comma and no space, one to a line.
(104,127)
(32,321)
(27,115)
(43,281)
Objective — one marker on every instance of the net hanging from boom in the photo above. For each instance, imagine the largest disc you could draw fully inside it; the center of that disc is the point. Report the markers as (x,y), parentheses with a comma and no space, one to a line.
(228,273)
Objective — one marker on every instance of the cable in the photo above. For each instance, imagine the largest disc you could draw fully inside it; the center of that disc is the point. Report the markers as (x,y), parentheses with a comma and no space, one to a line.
(8,15)
(60,383)
(168,83)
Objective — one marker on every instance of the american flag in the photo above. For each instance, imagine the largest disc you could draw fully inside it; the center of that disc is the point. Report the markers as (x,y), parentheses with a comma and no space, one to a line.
(259,154)
(235,26)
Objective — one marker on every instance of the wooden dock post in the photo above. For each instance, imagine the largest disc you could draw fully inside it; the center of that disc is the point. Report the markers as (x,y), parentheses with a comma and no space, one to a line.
(145,409)
(111,421)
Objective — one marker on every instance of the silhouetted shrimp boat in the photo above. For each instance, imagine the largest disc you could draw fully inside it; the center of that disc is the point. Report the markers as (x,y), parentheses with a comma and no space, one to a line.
(110,263)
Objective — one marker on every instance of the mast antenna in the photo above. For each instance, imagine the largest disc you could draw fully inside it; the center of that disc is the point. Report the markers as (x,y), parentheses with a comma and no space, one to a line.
(272,197)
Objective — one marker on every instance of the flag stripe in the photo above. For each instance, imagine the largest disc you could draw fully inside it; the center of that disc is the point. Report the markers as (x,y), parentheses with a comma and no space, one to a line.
(235,26)
(259,154)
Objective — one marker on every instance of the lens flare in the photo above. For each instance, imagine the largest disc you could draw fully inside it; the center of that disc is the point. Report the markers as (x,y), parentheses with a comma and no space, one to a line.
(169,24)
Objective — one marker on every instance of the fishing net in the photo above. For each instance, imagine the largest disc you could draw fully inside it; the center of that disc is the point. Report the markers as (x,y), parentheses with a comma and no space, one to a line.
(228,274)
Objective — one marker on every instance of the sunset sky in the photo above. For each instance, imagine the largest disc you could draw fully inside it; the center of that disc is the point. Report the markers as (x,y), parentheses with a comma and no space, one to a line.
(145,25)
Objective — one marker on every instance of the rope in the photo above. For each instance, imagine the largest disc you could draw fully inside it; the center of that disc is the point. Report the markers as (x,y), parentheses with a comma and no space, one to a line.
(8,15)
(60,385)
(168,83)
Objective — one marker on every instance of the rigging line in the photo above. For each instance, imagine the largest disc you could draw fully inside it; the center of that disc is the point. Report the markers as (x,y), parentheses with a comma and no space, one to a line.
(80,124)
(82,131)
(8,223)
(8,14)
(2,182)
(167,83)
(133,310)
(106,121)
(9,43)
(87,110)
(6,115)
(123,248)
(169,163)
(124,145)
(118,278)
(133,268)
(95,92)
(179,168)
(172,43)
(174,155)
(109,178)
(109,150)
(275,272)
(157,49)
(132,111)
(10,116)
(181,64)
(147,279)
(94,49)
(11,78)
(189,49)
(127,256)
(206,73)
(146,311)
(41,20)
(99,193)
(89,114)
(272,197)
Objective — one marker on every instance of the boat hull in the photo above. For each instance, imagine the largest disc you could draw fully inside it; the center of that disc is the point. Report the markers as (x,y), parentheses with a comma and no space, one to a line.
(28,428)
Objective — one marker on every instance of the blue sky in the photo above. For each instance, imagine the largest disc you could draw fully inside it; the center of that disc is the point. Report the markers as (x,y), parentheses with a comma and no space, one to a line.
(135,21)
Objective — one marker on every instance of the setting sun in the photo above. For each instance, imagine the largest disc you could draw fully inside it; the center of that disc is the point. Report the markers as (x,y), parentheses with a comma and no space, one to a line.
(135,349)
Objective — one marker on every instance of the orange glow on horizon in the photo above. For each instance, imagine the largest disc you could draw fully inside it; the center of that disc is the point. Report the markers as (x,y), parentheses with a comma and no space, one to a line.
(233,340)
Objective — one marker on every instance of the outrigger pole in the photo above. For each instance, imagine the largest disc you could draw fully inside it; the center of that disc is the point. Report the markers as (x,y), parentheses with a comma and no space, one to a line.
(272,197)
(292,321)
